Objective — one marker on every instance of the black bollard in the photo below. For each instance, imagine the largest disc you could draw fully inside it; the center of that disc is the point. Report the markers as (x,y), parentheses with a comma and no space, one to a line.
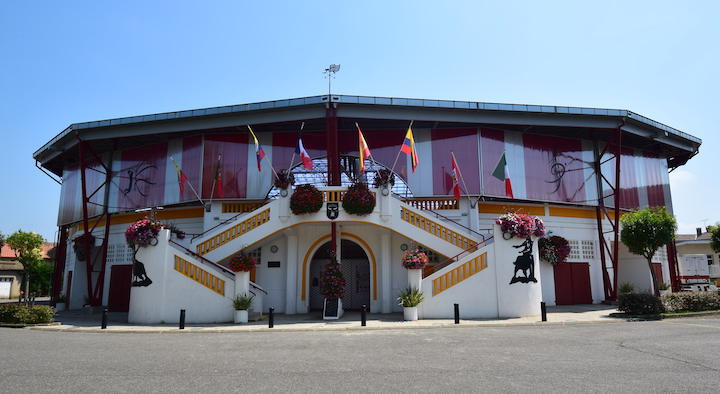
(543,312)
(271,318)
(363,316)
(103,325)
(457,313)
(182,319)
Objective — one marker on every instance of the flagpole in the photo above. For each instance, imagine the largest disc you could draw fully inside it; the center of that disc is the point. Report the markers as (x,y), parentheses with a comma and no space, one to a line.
(188,182)
(467,192)
(212,190)
(292,159)
(399,151)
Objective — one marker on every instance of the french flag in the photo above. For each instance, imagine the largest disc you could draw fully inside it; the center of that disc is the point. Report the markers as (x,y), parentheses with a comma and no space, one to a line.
(300,150)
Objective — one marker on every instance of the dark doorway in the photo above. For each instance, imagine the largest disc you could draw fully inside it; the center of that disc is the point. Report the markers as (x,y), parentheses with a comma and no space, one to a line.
(572,284)
(120,280)
(355,267)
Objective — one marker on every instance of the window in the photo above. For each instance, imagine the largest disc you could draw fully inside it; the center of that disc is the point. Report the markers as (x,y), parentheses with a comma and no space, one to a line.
(588,250)
(574,250)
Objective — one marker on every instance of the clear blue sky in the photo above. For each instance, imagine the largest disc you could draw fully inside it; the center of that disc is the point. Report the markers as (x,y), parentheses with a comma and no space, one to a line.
(74,61)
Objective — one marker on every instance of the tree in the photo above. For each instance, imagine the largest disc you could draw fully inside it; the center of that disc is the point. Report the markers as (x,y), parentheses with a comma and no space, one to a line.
(2,240)
(715,237)
(26,246)
(646,230)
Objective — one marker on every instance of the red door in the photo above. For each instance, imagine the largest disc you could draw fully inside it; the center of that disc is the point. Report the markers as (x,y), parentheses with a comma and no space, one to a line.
(119,296)
(657,267)
(572,284)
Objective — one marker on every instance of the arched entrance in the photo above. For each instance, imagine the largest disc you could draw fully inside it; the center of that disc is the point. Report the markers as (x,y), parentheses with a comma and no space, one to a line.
(355,267)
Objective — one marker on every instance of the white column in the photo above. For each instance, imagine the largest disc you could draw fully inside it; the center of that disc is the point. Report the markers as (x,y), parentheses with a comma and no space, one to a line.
(415,278)
(474,215)
(385,270)
(242,283)
(521,298)
(385,202)
(292,275)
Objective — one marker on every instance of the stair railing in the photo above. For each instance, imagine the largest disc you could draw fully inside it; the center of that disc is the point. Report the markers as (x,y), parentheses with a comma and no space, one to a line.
(445,218)
(430,269)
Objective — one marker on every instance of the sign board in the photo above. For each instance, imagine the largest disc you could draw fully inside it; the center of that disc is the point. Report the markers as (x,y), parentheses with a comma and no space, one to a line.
(332,309)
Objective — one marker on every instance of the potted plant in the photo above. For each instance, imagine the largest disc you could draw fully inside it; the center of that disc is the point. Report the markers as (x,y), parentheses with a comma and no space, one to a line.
(358,199)
(306,199)
(664,288)
(414,259)
(284,179)
(242,263)
(554,249)
(409,299)
(81,244)
(332,287)
(60,303)
(242,303)
(520,225)
(385,180)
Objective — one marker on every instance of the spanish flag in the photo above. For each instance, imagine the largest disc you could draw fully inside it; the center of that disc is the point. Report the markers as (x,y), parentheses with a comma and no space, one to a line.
(408,147)
(363,149)
(182,178)
(259,152)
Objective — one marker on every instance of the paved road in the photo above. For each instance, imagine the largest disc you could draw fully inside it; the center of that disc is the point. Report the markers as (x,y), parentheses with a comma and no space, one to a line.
(678,355)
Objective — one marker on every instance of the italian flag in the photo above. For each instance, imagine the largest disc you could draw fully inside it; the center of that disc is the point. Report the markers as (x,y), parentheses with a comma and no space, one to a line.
(501,172)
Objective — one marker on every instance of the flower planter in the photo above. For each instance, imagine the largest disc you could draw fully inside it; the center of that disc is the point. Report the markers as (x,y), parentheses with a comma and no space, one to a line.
(60,306)
(410,313)
(241,316)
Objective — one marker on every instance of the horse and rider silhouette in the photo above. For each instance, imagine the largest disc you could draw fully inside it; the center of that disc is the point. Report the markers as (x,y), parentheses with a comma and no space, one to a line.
(141,279)
(525,262)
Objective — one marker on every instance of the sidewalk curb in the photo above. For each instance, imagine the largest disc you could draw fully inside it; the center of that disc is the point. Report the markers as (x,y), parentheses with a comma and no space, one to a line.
(201,330)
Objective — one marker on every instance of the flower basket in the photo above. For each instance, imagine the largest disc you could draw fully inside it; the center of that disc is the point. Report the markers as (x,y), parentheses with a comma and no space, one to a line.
(414,260)
(332,281)
(306,199)
(520,225)
(242,263)
(284,179)
(554,249)
(79,245)
(384,177)
(143,232)
(358,200)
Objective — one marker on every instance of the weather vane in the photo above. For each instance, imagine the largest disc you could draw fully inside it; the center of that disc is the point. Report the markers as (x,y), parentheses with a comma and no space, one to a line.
(330,74)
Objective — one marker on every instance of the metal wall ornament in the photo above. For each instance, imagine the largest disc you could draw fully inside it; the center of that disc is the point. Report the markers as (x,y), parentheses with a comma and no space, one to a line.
(333,210)
(525,262)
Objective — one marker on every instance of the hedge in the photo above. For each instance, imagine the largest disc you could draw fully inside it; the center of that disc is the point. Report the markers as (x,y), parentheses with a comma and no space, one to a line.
(24,314)
(640,304)
(691,301)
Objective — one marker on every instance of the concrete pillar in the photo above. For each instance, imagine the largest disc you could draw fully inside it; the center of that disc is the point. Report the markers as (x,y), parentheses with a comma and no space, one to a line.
(385,202)
(474,215)
(386,270)
(291,278)
(242,283)
(518,295)
(415,278)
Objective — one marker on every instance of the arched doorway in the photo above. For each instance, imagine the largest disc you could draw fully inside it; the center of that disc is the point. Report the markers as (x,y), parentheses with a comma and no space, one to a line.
(355,267)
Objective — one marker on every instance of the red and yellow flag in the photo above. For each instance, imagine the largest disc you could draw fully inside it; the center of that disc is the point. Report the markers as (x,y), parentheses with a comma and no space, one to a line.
(363,149)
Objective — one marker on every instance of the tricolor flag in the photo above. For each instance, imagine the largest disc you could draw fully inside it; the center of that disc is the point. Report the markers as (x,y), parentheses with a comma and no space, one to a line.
(259,152)
(300,150)
(502,173)
(408,147)
(363,149)
(456,175)
(182,178)
(218,178)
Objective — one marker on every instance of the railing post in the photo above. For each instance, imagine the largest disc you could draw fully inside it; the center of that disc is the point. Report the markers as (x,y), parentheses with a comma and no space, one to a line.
(457,313)
(271,317)
(363,316)
(543,311)
(103,324)
(182,319)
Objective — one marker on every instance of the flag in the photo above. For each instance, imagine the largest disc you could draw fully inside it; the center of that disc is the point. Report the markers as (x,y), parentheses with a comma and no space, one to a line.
(300,150)
(502,173)
(259,152)
(363,149)
(456,175)
(182,178)
(218,178)
(408,147)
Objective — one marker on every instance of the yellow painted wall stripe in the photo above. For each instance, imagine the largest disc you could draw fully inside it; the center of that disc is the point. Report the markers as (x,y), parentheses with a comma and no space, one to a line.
(233,232)
(199,275)
(459,274)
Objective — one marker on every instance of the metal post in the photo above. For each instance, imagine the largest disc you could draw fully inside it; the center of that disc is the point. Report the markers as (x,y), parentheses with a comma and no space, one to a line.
(457,313)
(363,316)
(271,317)
(543,311)
(103,325)
(182,319)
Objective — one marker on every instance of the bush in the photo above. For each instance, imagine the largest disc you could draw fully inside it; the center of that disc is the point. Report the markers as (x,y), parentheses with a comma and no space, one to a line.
(626,288)
(306,199)
(691,301)
(358,200)
(640,304)
(24,314)
(242,302)
(410,297)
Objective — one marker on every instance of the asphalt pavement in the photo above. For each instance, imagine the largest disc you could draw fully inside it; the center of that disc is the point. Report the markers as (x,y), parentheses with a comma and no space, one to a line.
(678,355)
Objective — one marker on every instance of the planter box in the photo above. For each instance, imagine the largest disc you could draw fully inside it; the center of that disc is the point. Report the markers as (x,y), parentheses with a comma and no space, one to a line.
(410,313)
(241,316)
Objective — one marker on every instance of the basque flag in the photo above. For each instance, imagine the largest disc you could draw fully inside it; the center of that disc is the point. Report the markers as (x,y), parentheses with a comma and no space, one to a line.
(502,173)
(456,175)
(363,149)
(259,152)
(300,150)
(408,147)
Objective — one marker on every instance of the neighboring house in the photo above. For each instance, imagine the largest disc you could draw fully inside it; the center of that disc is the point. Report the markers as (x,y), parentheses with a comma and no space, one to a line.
(699,243)
(11,271)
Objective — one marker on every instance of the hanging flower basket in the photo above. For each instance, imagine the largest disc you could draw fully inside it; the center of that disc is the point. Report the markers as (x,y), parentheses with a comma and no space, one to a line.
(414,259)
(143,232)
(358,200)
(79,245)
(284,179)
(554,249)
(520,225)
(384,177)
(242,263)
(332,281)
(306,199)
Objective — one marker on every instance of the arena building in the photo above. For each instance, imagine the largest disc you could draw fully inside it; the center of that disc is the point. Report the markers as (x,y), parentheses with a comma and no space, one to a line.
(578,169)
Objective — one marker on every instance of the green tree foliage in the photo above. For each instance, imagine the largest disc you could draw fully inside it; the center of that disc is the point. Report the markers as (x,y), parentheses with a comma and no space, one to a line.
(646,230)
(2,240)
(715,237)
(26,246)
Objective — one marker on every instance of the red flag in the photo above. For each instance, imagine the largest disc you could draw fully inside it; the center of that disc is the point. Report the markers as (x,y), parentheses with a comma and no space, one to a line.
(304,156)
(456,175)
(362,149)
(182,178)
